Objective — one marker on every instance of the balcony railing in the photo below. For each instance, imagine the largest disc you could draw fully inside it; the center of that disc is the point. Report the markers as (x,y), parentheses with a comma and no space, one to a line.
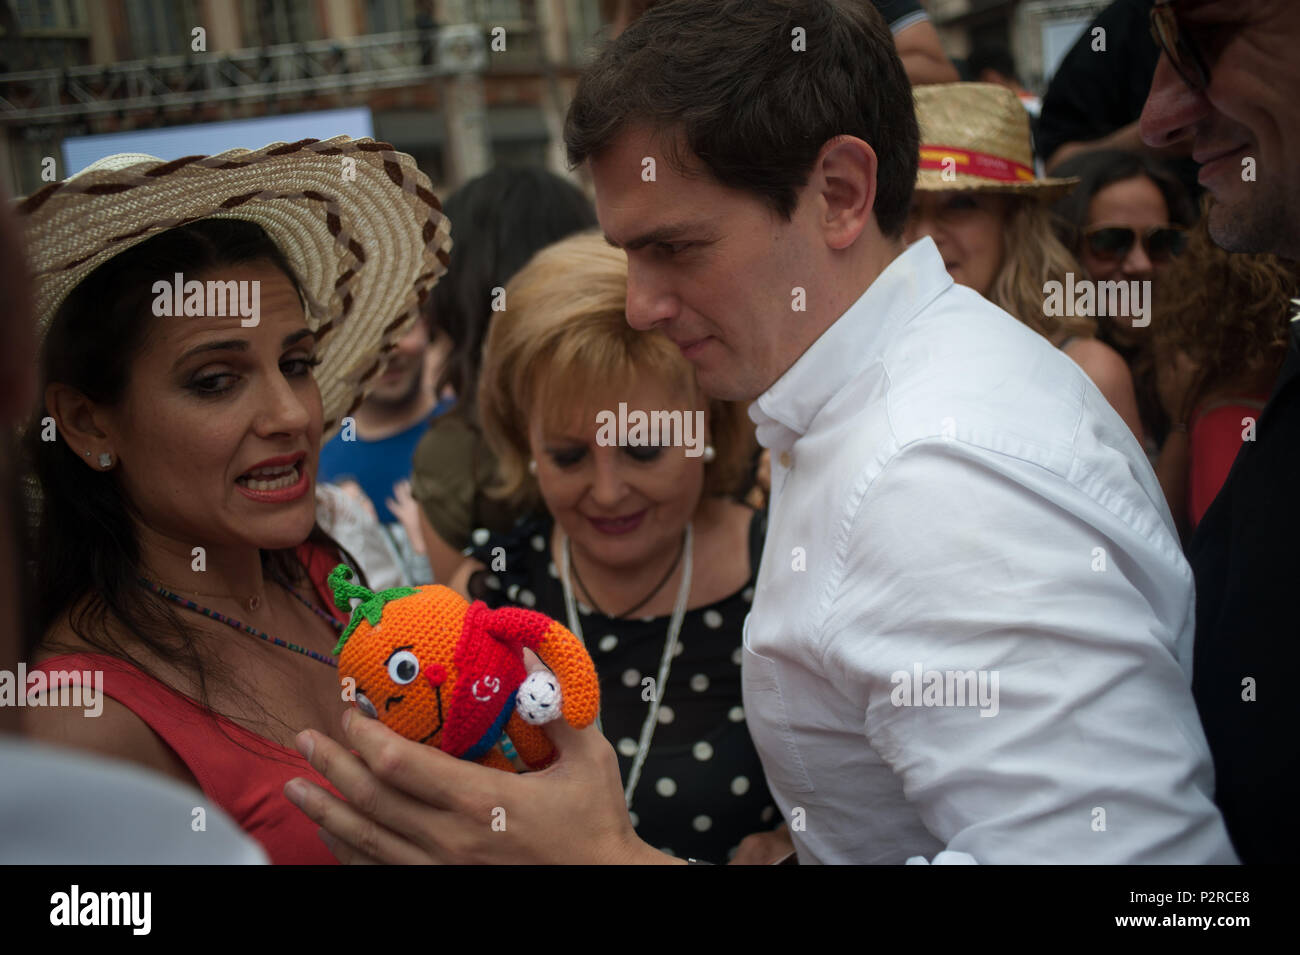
(378,61)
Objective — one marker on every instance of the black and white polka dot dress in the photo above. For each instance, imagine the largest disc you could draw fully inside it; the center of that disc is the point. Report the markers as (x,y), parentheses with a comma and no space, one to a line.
(701,789)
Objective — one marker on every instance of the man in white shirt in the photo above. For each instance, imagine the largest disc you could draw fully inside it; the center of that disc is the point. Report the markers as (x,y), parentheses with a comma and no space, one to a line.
(972,629)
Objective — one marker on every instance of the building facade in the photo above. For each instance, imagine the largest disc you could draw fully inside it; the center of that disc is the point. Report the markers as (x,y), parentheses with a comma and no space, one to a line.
(459,84)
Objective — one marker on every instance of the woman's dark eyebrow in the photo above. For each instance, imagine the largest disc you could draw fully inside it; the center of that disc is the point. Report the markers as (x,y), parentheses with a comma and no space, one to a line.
(239,344)
(234,344)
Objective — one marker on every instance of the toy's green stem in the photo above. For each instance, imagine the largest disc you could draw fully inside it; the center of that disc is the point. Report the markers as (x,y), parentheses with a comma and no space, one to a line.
(370,609)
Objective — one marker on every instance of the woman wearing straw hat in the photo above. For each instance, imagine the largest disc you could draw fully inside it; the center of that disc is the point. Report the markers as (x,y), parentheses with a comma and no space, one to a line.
(978,198)
(205,323)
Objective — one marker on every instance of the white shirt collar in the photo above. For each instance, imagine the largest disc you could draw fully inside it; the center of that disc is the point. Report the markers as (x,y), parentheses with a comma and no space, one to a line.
(786,410)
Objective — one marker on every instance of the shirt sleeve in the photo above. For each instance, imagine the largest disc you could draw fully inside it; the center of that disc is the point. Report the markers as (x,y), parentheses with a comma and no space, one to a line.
(1077,739)
(443,482)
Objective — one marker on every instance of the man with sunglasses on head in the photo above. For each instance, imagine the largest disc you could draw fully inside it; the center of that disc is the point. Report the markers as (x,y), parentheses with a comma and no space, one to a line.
(1228,86)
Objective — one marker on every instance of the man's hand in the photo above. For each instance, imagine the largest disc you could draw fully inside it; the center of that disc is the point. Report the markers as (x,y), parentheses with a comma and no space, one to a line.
(411,803)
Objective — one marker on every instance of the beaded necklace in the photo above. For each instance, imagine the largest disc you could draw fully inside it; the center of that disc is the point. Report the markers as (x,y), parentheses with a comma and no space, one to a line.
(238,625)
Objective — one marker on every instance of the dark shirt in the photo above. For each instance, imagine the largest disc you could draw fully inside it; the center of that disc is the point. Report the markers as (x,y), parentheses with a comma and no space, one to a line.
(702,787)
(1245,558)
(1095,92)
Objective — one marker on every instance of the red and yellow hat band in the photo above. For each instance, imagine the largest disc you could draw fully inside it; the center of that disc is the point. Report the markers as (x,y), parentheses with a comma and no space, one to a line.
(972,163)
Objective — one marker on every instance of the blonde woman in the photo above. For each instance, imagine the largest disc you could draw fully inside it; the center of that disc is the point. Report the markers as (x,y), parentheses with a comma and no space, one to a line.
(638,546)
(977,197)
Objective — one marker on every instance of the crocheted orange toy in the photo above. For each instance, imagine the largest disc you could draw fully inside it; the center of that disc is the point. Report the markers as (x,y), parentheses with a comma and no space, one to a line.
(449,673)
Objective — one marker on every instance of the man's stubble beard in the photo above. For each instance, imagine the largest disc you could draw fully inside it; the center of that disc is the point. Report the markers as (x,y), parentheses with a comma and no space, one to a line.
(402,401)
(1258,225)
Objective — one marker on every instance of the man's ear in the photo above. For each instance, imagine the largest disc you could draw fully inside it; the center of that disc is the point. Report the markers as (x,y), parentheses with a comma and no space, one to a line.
(845,177)
(82,423)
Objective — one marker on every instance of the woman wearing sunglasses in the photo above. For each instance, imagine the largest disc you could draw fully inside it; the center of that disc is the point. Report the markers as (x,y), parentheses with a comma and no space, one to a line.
(977,197)
(1126,221)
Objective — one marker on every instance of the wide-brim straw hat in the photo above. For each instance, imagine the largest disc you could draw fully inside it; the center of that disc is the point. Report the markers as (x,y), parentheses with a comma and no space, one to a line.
(975,138)
(357,221)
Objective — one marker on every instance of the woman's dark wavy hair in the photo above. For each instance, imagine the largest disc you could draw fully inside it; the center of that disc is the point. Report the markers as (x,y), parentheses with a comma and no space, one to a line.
(1100,168)
(84,534)
(500,219)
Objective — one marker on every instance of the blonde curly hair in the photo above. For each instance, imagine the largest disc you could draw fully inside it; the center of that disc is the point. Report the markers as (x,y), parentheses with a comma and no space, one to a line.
(1032,256)
(1229,312)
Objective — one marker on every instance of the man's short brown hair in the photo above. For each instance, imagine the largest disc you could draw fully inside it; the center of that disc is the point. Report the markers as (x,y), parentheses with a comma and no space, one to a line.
(753,108)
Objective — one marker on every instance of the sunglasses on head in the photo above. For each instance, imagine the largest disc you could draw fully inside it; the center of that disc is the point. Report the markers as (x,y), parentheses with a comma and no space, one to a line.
(1113,242)
(1176,45)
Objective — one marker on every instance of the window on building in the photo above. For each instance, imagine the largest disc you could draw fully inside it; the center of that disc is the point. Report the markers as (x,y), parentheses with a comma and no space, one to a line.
(160,27)
(503,11)
(271,22)
(51,34)
(390,16)
(36,15)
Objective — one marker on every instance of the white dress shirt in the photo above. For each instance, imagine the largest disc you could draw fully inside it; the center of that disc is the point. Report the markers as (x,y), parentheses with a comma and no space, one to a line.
(952,493)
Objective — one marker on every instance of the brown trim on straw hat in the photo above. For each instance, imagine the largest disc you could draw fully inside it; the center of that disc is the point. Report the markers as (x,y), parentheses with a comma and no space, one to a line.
(367,239)
(982,131)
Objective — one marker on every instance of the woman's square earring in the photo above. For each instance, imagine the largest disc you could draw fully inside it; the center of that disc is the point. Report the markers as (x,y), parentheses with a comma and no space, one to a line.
(532,466)
(709,453)
(105,459)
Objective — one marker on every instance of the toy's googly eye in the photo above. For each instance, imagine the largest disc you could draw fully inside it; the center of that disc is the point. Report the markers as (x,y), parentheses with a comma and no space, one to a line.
(365,706)
(403,667)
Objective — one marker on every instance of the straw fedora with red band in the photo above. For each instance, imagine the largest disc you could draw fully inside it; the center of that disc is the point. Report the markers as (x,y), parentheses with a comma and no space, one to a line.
(975,138)
(356,220)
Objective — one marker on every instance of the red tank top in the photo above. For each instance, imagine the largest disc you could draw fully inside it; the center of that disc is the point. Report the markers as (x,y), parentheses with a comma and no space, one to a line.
(240,771)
